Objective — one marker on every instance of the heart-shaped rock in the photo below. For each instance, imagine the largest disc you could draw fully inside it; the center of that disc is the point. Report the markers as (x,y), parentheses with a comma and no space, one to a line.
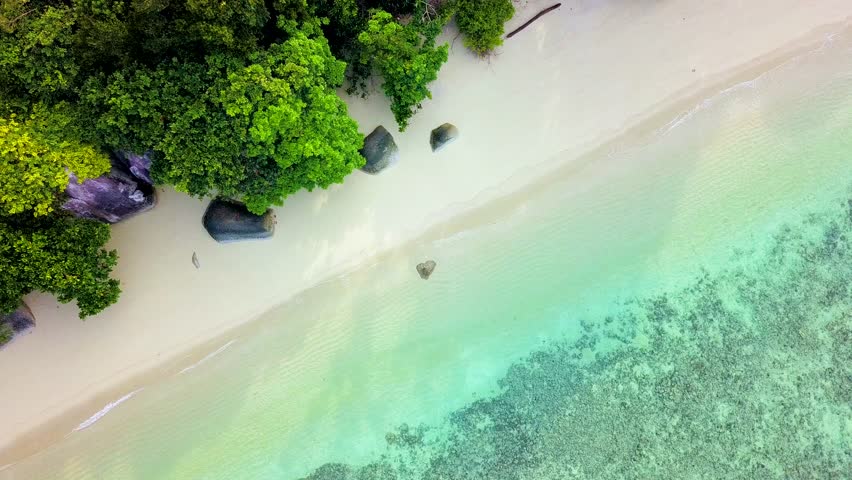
(426,268)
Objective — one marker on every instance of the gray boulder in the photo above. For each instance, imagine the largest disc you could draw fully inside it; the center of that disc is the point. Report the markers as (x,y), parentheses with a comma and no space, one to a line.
(442,136)
(16,323)
(426,268)
(125,191)
(230,221)
(380,150)
(137,165)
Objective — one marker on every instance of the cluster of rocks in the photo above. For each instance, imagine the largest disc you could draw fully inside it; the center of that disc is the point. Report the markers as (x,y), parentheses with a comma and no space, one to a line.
(128,189)
(380,149)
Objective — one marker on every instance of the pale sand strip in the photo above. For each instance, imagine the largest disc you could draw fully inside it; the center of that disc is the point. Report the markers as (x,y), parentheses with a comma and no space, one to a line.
(578,77)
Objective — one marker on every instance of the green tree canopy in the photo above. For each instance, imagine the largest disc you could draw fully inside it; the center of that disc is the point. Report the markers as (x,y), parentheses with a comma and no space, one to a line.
(37,153)
(35,44)
(234,98)
(406,57)
(260,128)
(42,248)
(59,255)
(285,103)
(481,22)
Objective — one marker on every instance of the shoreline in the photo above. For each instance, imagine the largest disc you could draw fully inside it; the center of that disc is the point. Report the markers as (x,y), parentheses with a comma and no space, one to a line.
(481,206)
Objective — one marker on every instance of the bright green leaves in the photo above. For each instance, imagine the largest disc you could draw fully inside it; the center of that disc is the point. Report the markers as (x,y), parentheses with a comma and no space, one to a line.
(36,155)
(261,128)
(299,132)
(481,22)
(56,254)
(41,248)
(406,58)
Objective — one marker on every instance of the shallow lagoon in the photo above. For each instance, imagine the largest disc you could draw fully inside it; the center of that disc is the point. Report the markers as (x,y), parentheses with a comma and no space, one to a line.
(679,308)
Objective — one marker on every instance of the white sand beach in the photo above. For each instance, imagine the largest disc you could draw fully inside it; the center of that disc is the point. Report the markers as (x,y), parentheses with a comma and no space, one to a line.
(574,81)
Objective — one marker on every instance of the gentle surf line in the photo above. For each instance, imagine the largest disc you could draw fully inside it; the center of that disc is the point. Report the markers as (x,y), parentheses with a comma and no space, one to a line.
(100,413)
(708,102)
(208,357)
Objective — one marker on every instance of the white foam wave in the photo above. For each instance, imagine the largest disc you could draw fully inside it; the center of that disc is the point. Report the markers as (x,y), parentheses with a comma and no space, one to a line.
(100,413)
(827,43)
(207,357)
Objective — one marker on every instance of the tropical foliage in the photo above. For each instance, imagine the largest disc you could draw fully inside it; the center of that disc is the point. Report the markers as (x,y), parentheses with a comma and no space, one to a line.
(56,254)
(261,128)
(481,22)
(406,57)
(233,98)
(36,154)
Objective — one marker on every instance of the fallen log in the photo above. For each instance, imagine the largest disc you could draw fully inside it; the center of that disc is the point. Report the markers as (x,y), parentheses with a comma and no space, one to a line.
(538,15)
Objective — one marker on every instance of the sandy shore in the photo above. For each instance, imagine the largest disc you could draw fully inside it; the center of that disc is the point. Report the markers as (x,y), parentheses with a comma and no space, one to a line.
(574,80)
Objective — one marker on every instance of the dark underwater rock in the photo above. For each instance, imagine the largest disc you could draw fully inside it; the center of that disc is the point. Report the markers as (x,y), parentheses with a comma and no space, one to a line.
(426,268)
(442,136)
(380,150)
(125,191)
(230,221)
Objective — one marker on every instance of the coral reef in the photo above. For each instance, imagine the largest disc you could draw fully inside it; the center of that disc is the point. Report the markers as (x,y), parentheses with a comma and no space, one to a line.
(744,374)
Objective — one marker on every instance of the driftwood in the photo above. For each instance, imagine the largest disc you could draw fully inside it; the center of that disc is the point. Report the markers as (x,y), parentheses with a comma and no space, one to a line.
(538,15)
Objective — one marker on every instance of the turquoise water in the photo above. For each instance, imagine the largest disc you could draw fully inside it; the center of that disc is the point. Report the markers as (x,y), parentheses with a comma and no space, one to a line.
(680,308)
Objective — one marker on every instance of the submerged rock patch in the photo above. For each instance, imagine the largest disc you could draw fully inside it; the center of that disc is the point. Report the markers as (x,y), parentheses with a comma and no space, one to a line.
(741,374)
(426,268)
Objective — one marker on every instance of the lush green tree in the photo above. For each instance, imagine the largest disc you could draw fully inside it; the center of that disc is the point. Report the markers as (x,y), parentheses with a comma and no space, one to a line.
(260,128)
(481,22)
(406,57)
(35,50)
(37,152)
(59,255)
(289,113)
(116,33)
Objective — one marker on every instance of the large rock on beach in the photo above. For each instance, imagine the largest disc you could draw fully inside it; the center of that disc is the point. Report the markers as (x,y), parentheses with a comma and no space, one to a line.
(125,191)
(426,268)
(380,150)
(137,165)
(442,136)
(17,322)
(230,221)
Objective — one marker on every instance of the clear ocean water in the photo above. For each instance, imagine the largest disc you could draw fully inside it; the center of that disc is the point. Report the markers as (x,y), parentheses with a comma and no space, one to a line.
(680,308)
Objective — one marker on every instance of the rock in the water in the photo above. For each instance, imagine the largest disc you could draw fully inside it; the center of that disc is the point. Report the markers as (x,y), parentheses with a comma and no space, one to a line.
(443,135)
(426,268)
(16,322)
(380,151)
(195,260)
(230,221)
(125,191)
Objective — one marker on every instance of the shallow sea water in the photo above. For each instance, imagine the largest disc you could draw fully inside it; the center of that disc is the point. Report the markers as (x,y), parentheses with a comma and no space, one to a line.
(679,308)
